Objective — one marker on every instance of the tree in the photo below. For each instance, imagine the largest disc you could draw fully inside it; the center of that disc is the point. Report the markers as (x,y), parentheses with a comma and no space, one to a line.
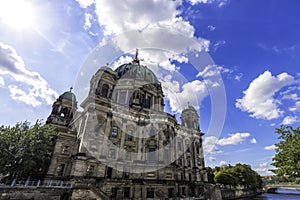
(287,157)
(25,150)
(226,177)
(210,175)
(240,174)
(246,176)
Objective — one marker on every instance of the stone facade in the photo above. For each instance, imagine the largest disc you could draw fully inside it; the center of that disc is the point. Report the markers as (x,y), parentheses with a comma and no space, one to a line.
(122,143)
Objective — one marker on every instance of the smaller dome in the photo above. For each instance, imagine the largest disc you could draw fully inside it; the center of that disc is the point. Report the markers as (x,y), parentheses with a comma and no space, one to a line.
(189,108)
(68,95)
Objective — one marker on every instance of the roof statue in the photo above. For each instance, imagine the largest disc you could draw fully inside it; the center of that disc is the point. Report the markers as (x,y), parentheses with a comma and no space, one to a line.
(136,59)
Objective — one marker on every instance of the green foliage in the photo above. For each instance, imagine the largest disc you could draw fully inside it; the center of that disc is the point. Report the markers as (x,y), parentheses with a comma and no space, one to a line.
(25,150)
(238,175)
(287,158)
(210,175)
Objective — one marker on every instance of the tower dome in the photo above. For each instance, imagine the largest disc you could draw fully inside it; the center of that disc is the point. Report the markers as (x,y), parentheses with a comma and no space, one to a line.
(68,95)
(63,109)
(190,117)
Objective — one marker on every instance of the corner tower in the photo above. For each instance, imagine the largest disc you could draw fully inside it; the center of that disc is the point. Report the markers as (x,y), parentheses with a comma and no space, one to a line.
(190,118)
(63,110)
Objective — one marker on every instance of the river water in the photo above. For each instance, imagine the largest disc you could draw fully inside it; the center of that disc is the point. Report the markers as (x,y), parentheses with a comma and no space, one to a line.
(282,194)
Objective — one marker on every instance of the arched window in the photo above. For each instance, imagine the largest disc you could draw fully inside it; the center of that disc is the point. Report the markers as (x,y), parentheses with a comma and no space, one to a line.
(195,125)
(104,90)
(64,112)
(98,89)
(152,155)
(152,133)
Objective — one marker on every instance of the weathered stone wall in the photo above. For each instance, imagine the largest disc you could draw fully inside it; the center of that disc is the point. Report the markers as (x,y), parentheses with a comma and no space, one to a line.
(34,193)
(237,194)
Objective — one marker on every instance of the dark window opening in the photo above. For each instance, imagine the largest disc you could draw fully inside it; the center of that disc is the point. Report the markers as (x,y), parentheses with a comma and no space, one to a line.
(66,150)
(188,163)
(109,172)
(170,192)
(148,102)
(114,132)
(60,169)
(150,193)
(129,137)
(127,192)
(179,146)
(152,133)
(123,98)
(90,170)
(104,90)
(114,192)
(151,155)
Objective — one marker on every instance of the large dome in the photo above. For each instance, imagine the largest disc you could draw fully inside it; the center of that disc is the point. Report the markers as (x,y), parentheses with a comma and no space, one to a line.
(136,71)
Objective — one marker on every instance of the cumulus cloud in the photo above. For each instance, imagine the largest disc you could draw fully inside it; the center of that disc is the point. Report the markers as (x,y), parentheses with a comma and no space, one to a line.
(222,163)
(259,97)
(290,120)
(2,82)
(192,92)
(219,2)
(234,139)
(295,107)
(210,143)
(211,159)
(271,147)
(33,89)
(153,24)
(263,164)
(253,141)
(263,170)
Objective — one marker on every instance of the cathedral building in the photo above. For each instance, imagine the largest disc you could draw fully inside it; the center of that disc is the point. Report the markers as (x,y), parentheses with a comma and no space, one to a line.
(121,144)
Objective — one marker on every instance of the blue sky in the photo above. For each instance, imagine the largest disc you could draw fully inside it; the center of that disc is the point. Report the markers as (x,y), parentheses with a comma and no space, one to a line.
(254,45)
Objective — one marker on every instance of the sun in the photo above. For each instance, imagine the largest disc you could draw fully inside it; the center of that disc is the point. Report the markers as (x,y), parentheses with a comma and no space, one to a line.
(17,13)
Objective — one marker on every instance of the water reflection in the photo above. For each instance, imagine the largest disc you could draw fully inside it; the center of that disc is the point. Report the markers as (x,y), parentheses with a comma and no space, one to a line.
(282,194)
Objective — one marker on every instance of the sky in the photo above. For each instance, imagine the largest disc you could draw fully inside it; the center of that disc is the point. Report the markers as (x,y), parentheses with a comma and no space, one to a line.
(236,61)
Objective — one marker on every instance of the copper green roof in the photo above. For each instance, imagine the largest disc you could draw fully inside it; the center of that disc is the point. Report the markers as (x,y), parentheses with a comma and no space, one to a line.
(68,95)
(136,71)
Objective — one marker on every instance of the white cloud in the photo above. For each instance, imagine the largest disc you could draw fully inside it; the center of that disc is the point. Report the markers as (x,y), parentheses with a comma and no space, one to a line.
(219,2)
(296,107)
(211,27)
(211,71)
(192,92)
(222,163)
(33,88)
(146,15)
(159,26)
(290,120)
(271,147)
(85,3)
(88,23)
(211,159)
(2,82)
(253,141)
(209,145)
(234,139)
(259,97)
(291,97)
(218,44)
(263,171)
(263,164)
